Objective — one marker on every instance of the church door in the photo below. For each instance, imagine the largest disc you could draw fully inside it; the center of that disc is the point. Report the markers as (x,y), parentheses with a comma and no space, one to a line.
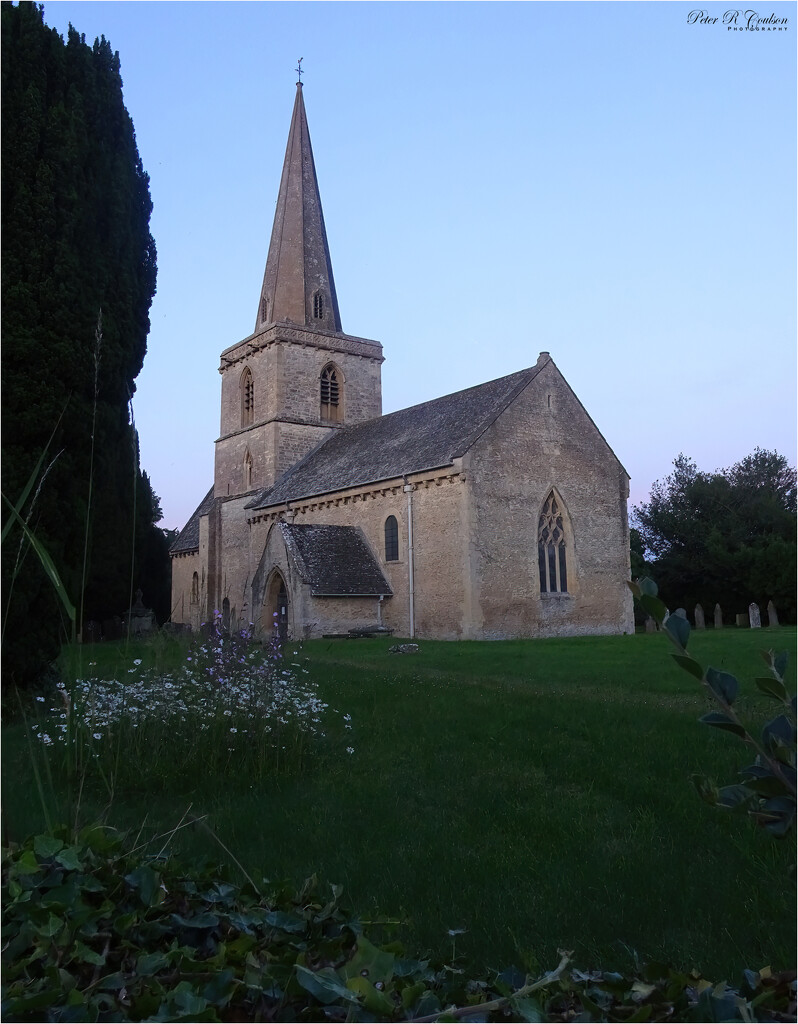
(275,607)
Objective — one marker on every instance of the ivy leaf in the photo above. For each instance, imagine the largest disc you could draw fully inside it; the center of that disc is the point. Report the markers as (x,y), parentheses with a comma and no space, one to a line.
(46,846)
(369,962)
(148,884)
(722,684)
(324,985)
(68,858)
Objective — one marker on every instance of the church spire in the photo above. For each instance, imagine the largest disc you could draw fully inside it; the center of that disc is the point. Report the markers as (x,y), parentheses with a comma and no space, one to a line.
(298,284)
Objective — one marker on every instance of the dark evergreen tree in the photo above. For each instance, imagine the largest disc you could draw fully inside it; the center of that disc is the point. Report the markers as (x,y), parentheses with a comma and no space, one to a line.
(75,242)
(725,537)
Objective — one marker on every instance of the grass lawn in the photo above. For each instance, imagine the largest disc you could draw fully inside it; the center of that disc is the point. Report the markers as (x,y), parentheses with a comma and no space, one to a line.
(535,793)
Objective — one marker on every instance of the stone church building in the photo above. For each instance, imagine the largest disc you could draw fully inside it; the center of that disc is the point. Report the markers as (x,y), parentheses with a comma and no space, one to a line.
(498,511)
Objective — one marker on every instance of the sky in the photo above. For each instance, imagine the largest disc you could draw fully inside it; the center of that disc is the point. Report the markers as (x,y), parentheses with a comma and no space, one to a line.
(614,183)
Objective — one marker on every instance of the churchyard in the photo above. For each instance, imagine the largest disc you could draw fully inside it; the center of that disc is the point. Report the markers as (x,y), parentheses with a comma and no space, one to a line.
(497,800)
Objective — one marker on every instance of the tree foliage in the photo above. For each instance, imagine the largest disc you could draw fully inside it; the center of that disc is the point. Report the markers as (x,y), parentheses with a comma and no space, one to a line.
(75,241)
(725,537)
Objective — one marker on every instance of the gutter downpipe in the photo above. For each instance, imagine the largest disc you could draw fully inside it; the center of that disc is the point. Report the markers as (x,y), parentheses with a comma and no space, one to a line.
(408,489)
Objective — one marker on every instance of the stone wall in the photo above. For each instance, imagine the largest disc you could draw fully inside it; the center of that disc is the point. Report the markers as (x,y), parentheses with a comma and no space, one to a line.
(545,440)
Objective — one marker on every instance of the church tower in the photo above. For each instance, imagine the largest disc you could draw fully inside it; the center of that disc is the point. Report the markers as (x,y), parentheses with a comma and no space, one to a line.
(298,376)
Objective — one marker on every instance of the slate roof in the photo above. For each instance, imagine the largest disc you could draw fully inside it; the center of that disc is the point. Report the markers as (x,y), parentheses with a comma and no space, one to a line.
(188,538)
(426,436)
(335,560)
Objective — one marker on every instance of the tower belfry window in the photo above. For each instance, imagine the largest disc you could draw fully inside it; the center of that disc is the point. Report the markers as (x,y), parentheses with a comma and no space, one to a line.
(330,394)
(552,555)
(247,398)
(318,306)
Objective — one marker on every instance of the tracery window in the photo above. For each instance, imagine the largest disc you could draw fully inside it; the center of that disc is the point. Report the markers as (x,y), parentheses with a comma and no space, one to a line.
(247,398)
(552,549)
(330,394)
(391,539)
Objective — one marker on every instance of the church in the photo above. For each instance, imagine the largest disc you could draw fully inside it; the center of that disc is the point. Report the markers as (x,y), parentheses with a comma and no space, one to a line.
(491,513)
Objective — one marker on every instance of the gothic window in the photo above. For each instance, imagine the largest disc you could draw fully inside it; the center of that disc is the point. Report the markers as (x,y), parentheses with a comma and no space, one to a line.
(195,589)
(247,398)
(247,471)
(330,394)
(318,306)
(552,560)
(391,539)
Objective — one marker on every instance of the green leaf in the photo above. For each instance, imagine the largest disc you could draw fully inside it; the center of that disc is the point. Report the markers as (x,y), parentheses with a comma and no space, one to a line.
(68,858)
(734,797)
(46,846)
(655,608)
(149,963)
(375,1002)
(779,735)
(772,688)
(720,721)
(689,665)
(148,884)
(324,985)
(528,1008)
(679,630)
(722,684)
(705,788)
(780,663)
(369,962)
(27,864)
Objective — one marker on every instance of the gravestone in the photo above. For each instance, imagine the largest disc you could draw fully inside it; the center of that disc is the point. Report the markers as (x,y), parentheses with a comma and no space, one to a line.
(651,625)
(753,615)
(681,612)
(699,617)
(718,617)
(139,617)
(773,619)
(741,620)
(92,632)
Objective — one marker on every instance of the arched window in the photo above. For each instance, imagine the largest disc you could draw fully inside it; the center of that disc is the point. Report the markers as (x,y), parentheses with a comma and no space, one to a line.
(330,393)
(247,398)
(247,471)
(552,557)
(195,589)
(391,539)
(318,305)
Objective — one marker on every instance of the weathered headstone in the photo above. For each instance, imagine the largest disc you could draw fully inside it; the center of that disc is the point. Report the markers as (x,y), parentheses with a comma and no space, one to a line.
(92,632)
(718,617)
(753,615)
(139,617)
(651,625)
(681,612)
(699,617)
(741,620)
(773,619)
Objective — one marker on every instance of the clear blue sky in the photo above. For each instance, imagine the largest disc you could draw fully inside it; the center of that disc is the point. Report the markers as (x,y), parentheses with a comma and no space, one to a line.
(603,181)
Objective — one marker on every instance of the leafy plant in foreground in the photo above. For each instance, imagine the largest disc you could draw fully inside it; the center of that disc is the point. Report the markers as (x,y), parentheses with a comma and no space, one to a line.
(94,929)
(768,788)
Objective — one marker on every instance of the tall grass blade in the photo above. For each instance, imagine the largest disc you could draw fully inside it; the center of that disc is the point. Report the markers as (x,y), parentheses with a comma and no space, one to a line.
(47,562)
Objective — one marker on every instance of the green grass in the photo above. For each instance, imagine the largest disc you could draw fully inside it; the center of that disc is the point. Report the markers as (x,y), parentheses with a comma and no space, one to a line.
(535,793)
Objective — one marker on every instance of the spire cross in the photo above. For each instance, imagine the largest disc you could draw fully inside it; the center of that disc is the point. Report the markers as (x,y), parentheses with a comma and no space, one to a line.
(298,70)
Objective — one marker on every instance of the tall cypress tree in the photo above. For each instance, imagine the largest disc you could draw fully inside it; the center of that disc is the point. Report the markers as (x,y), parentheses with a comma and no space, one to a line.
(75,243)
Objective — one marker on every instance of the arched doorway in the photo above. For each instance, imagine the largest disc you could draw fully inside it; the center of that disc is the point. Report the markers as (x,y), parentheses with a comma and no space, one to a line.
(275,607)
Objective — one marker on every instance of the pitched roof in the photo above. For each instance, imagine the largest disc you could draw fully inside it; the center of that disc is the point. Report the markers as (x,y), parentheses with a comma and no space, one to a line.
(335,560)
(425,436)
(188,538)
(298,267)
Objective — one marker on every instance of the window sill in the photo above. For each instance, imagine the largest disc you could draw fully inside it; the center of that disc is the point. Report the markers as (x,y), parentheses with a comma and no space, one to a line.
(555,597)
